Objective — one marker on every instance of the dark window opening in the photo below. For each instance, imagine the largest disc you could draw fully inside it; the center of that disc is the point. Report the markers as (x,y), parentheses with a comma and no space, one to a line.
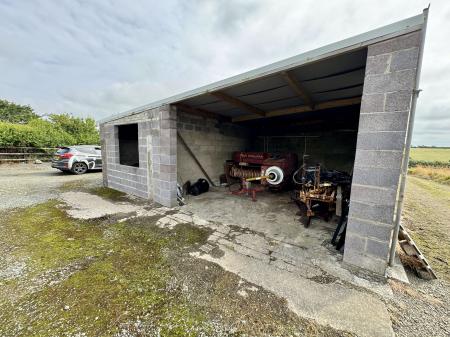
(128,145)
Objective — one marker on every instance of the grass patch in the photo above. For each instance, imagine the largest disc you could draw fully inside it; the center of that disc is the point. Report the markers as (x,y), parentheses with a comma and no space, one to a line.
(426,214)
(109,193)
(438,174)
(430,154)
(105,276)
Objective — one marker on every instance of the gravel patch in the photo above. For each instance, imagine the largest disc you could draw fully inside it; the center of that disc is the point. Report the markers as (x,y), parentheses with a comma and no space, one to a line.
(28,184)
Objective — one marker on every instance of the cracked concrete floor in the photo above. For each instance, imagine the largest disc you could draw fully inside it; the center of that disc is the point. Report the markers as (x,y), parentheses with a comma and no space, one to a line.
(274,252)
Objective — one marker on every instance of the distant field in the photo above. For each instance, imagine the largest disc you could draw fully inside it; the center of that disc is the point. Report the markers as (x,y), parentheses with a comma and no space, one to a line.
(430,154)
(428,164)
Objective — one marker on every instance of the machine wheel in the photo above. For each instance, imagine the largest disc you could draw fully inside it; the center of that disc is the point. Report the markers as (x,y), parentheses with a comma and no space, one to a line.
(79,168)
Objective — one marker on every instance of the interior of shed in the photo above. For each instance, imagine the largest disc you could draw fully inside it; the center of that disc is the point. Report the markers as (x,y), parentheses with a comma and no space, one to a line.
(310,112)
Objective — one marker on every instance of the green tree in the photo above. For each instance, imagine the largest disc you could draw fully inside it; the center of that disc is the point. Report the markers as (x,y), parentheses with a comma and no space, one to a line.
(16,113)
(83,130)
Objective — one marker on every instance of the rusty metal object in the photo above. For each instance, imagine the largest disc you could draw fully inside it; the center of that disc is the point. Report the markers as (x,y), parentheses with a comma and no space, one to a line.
(315,192)
(244,172)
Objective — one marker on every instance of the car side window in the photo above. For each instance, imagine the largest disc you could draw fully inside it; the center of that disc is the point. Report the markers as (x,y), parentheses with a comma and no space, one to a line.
(87,151)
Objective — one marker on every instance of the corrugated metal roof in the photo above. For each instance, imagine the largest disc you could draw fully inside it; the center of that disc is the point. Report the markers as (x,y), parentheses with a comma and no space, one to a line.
(334,71)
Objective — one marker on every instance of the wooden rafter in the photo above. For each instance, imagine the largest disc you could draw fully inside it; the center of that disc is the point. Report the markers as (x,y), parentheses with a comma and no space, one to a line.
(303,108)
(200,112)
(297,87)
(238,103)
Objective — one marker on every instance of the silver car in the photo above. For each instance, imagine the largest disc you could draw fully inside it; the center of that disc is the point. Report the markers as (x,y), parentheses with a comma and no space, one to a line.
(78,159)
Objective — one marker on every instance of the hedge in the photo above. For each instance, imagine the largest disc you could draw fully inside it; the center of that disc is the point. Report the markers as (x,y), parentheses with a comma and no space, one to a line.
(37,133)
(414,163)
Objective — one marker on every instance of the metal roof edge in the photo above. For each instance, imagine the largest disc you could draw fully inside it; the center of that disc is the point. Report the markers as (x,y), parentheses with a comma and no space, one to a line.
(376,35)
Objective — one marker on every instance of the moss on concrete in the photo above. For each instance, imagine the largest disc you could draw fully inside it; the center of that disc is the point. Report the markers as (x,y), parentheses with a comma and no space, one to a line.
(104,277)
(108,193)
(108,275)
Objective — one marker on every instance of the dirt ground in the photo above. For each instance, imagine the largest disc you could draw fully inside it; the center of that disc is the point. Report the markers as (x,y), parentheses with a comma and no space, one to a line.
(70,269)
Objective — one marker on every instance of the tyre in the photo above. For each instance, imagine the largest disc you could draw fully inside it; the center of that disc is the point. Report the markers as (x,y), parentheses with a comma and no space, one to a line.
(79,168)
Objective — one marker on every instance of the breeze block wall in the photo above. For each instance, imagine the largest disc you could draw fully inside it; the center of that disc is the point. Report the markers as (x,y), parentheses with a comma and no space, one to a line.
(212,142)
(155,178)
(388,88)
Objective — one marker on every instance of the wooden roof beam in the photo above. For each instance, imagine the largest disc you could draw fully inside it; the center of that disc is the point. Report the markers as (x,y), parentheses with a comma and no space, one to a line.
(302,108)
(297,87)
(238,103)
(201,112)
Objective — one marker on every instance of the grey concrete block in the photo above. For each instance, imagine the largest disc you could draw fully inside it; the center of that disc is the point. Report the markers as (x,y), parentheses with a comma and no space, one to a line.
(373,195)
(398,101)
(386,140)
(396,81)
(398,43)
(377,248)
(404,59)
(361,260)
(396,121)
(387,159)
(165,176)
(378,64)
(369,229)
(168,150)
(376,176)
(168,168)
(372,103)
(355,242)
(156,168)
(156,158)
(165,159)
(169,194)
(373,212)
(168,124)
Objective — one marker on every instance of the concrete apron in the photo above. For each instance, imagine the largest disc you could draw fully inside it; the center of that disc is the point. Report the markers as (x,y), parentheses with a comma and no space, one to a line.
(280,256)
(264,243)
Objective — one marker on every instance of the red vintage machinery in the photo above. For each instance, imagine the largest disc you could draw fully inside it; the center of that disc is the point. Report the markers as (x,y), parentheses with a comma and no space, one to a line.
(258,171)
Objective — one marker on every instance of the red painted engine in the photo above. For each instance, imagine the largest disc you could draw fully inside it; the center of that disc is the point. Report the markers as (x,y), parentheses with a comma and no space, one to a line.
(275,169)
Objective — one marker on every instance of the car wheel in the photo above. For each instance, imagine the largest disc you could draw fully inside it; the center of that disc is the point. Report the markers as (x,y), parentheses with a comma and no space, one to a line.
(79,168)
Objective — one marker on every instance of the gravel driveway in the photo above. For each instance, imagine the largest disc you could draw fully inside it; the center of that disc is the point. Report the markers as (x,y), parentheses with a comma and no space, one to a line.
(28,184)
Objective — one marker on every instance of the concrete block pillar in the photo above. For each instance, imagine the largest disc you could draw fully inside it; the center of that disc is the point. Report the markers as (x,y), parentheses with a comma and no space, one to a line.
(388,87)
(164,157)
(110,150)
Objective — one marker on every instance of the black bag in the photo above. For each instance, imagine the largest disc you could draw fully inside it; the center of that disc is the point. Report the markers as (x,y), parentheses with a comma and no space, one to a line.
(201,186)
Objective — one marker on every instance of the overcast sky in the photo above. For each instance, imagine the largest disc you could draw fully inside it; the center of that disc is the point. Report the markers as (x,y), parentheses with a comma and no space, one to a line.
(97,58)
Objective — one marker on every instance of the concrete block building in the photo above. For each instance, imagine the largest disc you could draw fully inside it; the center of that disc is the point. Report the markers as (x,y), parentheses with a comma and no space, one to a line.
(349,104)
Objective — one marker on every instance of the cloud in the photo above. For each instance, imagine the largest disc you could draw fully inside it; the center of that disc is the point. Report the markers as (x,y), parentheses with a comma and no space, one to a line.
(96,58)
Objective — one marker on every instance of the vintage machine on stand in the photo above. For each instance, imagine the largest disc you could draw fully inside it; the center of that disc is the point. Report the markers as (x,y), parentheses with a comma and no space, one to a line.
(320,192)
(260,171)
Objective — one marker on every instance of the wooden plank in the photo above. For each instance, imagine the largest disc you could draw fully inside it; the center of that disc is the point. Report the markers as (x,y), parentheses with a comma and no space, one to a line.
(23,159)
(297,87)
(410,248)
(25,153)
(238,103)
(188,149)
(303,108)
